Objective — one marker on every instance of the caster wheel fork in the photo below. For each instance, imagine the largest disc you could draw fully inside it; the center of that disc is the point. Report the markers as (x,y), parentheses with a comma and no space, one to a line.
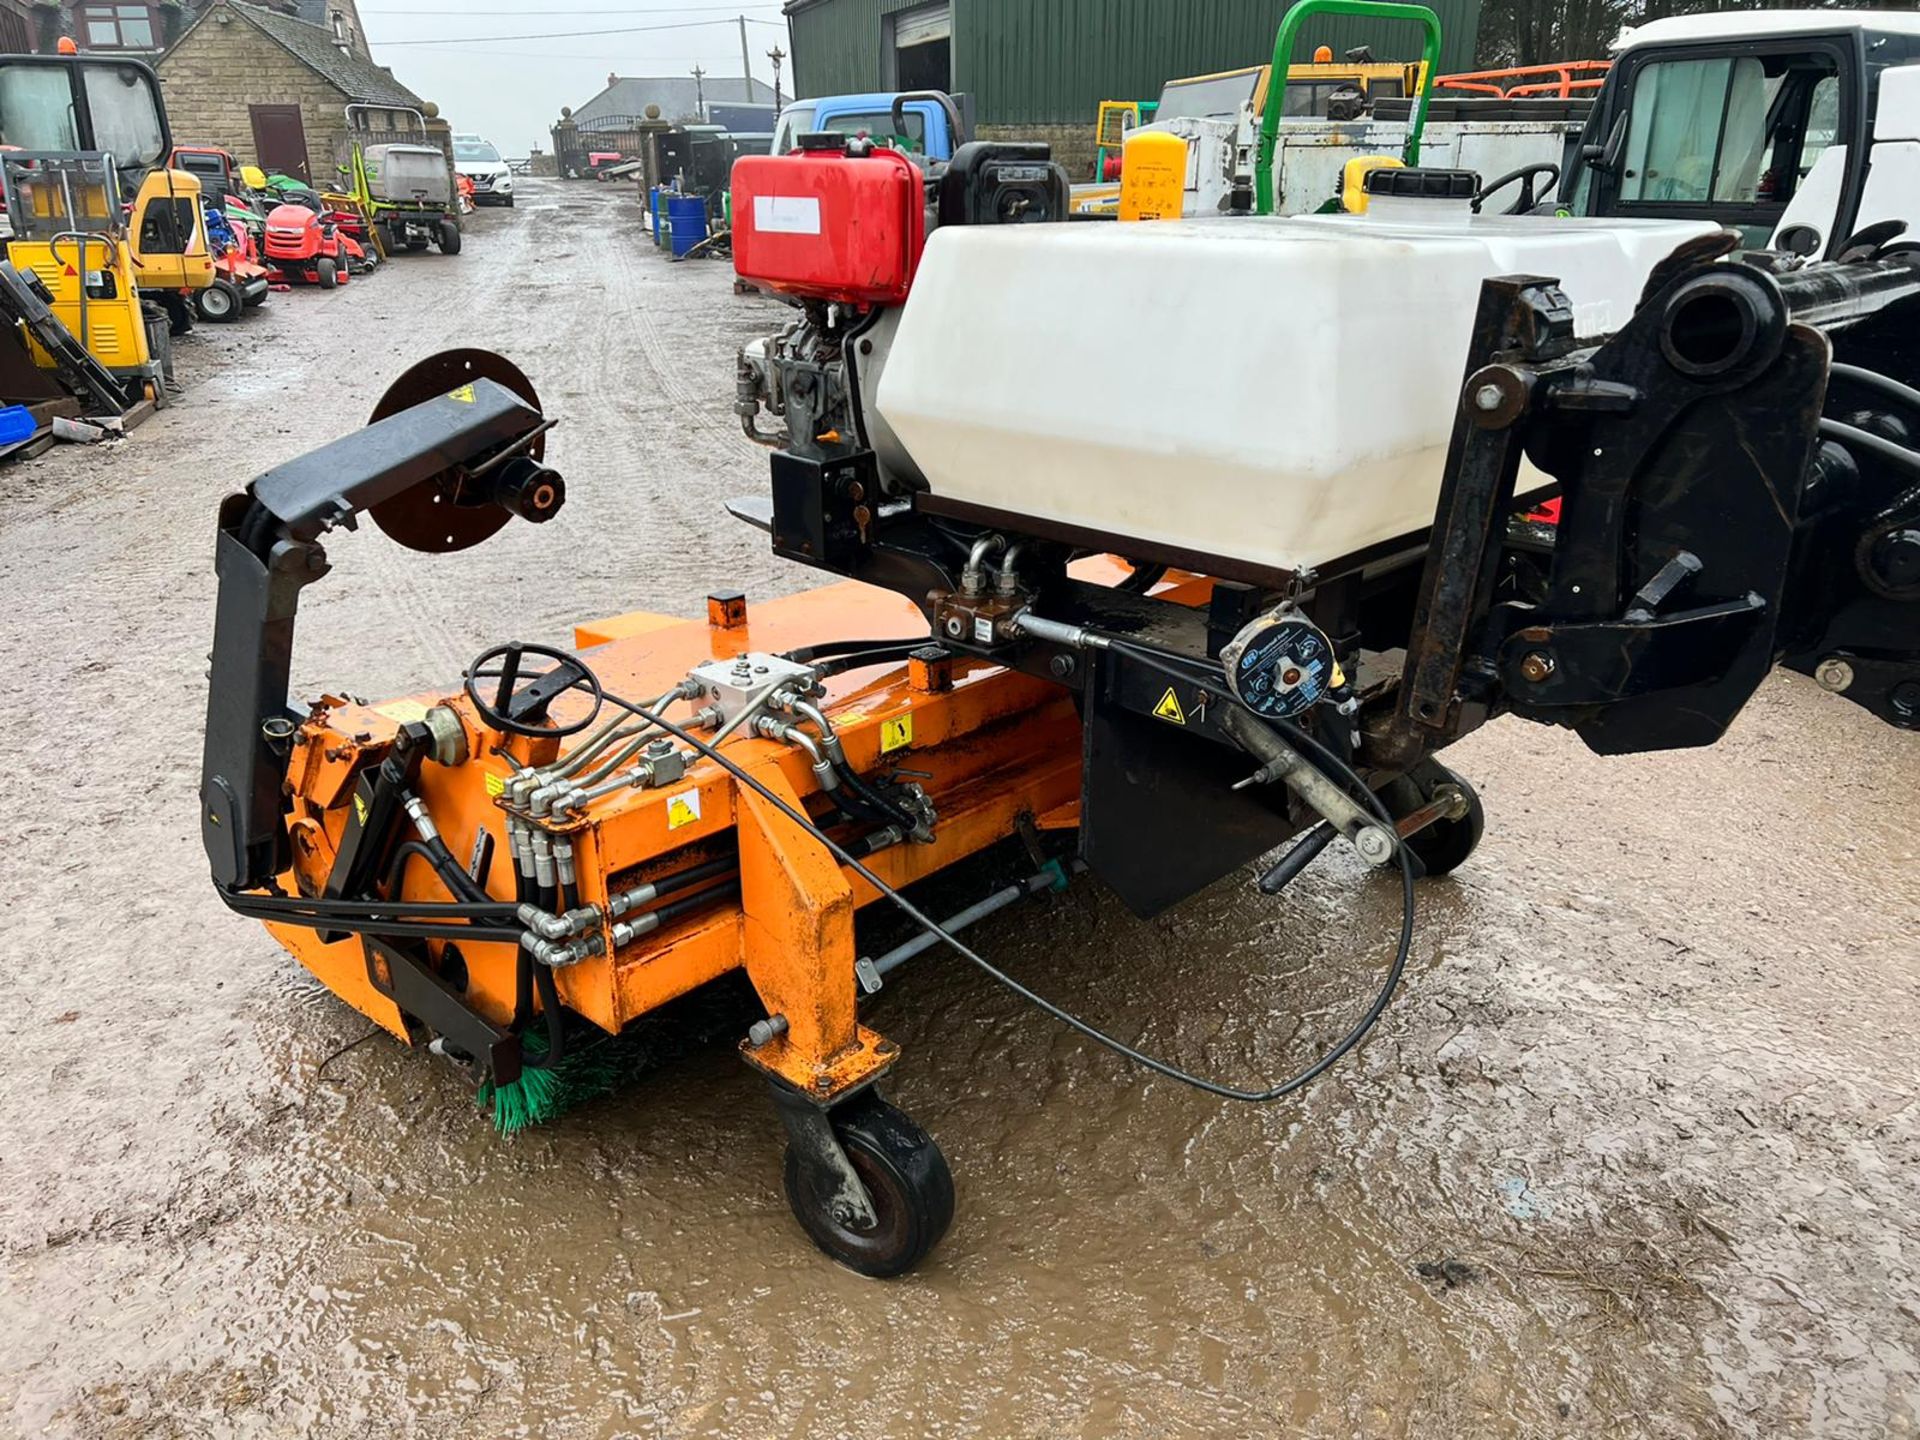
(869,1186)
(1448,809)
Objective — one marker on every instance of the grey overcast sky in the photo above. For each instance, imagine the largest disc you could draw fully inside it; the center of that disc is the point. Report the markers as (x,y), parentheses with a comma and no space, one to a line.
(511,89)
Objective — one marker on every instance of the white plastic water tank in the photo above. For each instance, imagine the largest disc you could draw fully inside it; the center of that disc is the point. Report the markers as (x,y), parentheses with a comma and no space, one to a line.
(1272,393)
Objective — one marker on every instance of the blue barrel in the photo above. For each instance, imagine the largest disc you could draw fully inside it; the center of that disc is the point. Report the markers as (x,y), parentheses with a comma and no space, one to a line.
(653,212)
(687,214)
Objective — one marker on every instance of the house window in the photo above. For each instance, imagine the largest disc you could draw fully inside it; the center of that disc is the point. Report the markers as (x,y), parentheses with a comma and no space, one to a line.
(117,27)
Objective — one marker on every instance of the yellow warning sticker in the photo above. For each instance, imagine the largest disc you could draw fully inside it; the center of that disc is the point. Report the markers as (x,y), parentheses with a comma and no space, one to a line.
(897,733)
(464,394)
(405,711)
(1169,708)
(683,809)
(359,808)
(496,785)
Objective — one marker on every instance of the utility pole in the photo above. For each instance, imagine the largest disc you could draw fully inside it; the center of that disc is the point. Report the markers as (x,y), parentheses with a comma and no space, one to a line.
(699,95)
(776,55)
(746,65)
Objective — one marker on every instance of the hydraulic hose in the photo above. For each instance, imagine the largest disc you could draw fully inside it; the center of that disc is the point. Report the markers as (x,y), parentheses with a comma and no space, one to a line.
(1279,1090)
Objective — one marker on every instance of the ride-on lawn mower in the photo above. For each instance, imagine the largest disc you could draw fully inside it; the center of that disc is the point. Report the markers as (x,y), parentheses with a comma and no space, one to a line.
(301,246)
(240,282)
(1321,589)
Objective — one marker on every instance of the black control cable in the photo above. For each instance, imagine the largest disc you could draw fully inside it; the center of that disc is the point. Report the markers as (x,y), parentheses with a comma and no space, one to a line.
(1293,1083)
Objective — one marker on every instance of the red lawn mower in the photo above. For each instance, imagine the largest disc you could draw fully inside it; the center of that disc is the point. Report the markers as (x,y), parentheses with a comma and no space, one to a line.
(300,246)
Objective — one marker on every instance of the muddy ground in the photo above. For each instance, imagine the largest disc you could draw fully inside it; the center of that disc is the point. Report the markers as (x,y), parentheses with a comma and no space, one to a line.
(1636,1152)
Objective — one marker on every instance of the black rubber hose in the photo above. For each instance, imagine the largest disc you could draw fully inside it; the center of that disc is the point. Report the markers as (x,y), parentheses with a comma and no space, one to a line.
(674,909)
(1286,1087)
(864,658)
(1896,455)
(1874,380)
(556,1023)
(837,649)
(377,925)
(893,814)
(348,910)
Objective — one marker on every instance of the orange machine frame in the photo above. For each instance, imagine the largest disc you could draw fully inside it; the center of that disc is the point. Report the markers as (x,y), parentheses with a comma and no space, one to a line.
(996,747)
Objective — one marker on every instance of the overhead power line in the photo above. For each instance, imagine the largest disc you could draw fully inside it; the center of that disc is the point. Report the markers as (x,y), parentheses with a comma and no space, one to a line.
(615,13)
(570,34)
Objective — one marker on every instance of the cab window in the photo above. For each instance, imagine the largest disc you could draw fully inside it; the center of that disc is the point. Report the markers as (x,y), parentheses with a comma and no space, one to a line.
(1727,131)
(878,125)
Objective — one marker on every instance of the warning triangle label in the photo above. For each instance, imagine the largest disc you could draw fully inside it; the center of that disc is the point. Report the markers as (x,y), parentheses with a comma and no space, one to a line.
(1169,708)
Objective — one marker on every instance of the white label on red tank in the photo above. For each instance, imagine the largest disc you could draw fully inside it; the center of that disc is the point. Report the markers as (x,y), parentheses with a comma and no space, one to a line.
(786,214)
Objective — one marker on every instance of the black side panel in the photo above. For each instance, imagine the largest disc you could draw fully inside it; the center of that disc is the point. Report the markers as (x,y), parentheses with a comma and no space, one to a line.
(1158,817)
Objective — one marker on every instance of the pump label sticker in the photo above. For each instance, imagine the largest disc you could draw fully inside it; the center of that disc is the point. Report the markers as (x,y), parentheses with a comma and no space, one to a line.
(683,809)
(897,733)
(1169,708)
(405,711)
(786,214)
(464,394)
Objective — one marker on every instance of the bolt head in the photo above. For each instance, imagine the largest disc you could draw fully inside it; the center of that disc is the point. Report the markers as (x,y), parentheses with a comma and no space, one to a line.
(1061,666)
(1537,666)
(1373,844)
(1833,674)
(1488,398)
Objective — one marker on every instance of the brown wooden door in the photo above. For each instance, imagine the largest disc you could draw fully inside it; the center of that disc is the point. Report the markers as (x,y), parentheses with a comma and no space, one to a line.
(279,140)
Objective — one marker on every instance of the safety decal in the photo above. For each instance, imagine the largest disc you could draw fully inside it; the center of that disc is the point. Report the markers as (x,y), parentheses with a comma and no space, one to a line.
(683,809)
(1169,708)
(897,733)
(496,785)
(360,807)
(464,394)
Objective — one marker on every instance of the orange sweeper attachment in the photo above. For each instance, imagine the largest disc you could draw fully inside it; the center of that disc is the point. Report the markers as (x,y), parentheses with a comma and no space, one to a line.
(520,863)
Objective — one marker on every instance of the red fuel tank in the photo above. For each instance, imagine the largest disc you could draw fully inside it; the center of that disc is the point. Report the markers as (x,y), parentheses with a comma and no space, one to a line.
(826,225)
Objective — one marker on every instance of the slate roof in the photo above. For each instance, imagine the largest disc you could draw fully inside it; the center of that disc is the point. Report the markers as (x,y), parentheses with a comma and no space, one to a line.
(676,95)
(357,78)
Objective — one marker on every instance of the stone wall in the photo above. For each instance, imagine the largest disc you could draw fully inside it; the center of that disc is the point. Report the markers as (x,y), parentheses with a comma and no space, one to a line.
(1072,145)
(212,76)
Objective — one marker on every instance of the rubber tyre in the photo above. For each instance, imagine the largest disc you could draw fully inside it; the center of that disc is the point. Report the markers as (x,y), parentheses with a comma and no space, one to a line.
(449,241)
(327,271)
(509,202)
(220,303)
(1445,845)
(906,1175)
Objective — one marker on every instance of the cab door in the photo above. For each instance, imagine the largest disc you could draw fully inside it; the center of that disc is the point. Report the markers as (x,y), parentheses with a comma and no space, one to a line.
(1724,133)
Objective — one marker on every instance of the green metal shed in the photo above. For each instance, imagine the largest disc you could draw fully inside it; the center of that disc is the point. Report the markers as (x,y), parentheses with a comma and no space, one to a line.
(1051,62)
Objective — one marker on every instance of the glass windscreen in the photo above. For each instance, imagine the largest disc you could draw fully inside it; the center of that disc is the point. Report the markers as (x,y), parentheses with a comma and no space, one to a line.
(36,108)
(475,150)
(879,125)
(1209,97)
(126,113)
(795,121)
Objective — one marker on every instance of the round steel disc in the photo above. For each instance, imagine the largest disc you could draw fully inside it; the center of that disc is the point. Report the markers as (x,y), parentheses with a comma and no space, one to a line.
(428,516)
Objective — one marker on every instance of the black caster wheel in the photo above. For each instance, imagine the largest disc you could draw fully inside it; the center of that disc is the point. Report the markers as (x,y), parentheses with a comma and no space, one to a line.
(904,1173)
(1445,844)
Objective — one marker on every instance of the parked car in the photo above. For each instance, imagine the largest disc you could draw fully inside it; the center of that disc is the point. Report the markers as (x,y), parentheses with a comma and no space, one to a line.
(478,160)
